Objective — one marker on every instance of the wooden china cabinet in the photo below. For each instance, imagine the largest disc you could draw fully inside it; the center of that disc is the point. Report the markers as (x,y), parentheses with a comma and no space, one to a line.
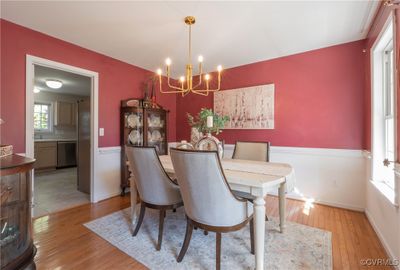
(141,125)
(16,244)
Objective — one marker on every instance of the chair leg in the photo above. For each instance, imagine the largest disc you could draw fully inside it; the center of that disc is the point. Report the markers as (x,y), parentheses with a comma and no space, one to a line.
(188,236)
(218,251)
(252,236)
(140,220)
(160,228)
(174,210)
(205,232)
(266,217)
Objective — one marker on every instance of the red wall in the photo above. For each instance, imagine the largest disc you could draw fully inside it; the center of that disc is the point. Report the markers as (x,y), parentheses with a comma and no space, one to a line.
(117,81)
(319,98)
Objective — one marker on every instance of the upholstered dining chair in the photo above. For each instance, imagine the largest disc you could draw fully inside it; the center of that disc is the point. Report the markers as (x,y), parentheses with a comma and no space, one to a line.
(156,189)
(256,151)
(208,200)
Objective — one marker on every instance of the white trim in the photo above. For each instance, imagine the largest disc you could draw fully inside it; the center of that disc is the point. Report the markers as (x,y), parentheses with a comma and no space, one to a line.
(376,84)
(109,150)
(381,237)
(31,61)
(366,154)
(328,203)
(309,151)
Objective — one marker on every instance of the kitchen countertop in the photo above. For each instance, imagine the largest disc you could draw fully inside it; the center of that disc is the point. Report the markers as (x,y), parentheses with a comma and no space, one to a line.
(55,140)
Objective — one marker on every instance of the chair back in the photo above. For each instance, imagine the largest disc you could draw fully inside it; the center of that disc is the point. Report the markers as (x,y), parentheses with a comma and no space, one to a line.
(205,192)
(256,151)
(153,183)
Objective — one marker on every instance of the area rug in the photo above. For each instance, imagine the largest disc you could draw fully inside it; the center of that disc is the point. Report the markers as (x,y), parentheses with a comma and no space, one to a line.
(300,247)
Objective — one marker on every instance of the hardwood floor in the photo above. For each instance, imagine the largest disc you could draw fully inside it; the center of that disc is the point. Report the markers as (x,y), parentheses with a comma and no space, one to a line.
(64,243)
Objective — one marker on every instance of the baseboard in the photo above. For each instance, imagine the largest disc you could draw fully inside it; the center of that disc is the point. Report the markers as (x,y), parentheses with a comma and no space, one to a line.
(381,238)
(108,196)
(323,202)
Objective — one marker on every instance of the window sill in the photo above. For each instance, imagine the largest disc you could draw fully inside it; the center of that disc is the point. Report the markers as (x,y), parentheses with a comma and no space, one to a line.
(386,191)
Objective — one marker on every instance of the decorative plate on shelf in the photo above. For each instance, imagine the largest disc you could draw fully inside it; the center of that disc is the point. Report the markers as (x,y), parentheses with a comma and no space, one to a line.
(134,137)
(133,120)
(156,136)
(154,121)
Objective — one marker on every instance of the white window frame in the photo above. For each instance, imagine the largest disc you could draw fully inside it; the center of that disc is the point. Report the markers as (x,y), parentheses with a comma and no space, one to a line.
(379,114)
(50,121)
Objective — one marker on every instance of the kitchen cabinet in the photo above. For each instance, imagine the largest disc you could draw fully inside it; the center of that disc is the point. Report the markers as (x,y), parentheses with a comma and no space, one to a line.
(64,113)
(46,155)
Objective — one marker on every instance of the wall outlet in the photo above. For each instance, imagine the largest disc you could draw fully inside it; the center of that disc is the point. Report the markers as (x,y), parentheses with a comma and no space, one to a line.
(101,132)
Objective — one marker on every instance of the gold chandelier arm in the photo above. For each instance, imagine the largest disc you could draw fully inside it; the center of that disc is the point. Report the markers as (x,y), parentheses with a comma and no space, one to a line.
(176,87)
(201,93)
(172,92)
(179,90)
(211,90)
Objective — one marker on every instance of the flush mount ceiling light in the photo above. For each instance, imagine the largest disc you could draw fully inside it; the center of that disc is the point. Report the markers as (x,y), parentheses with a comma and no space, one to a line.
(36,90)
(55,84)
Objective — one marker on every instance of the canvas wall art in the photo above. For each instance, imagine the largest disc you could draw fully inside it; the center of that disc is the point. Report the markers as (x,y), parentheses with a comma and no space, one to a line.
(247,108)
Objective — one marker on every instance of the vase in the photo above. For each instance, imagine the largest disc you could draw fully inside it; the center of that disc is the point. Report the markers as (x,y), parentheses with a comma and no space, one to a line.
(195,135)
(210,143)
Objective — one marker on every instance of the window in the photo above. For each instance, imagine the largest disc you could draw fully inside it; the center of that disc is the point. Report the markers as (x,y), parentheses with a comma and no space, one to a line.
(42,117)
(388,107)
(384,112)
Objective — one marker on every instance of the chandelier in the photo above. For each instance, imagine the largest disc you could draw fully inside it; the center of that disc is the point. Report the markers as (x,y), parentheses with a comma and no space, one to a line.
(186,83)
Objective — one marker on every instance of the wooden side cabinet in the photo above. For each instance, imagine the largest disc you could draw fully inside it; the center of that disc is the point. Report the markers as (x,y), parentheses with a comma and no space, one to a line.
(17,250)
(64,113)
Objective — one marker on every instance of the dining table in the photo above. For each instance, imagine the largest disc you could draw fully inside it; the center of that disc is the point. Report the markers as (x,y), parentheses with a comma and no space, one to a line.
(254,177)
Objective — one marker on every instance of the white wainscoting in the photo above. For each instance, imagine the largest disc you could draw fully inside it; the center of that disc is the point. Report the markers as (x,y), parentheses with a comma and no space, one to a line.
(333,177)
(108,173)
(329,176)
(383,215)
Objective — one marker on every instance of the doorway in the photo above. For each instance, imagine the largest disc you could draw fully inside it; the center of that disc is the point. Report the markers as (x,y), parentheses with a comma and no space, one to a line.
(62,107)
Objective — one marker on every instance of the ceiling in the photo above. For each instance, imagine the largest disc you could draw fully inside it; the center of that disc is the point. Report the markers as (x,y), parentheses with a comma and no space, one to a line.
(73,84)
(227,33)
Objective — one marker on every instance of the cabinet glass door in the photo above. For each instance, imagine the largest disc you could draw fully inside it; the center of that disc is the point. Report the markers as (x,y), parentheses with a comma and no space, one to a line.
(156,130)
(134,124)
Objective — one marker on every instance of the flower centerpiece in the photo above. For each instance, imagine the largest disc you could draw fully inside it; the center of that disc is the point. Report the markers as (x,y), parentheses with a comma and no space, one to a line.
(207,122)
(200,121)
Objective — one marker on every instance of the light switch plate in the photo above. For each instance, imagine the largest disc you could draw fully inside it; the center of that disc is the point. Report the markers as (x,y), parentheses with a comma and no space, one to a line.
(101,132)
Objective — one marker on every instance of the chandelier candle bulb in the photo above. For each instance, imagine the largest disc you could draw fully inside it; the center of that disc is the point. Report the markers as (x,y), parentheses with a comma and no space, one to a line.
(168,61)
(201,58)
(210,121)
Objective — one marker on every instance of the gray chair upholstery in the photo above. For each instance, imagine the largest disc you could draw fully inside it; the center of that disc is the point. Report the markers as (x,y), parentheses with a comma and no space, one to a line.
(156,189)
(256,151)
(206,194)
(153,183)
(208,200)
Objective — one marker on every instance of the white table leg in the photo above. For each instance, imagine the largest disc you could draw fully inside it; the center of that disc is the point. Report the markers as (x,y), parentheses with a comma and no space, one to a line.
(282,206)
(259,231)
